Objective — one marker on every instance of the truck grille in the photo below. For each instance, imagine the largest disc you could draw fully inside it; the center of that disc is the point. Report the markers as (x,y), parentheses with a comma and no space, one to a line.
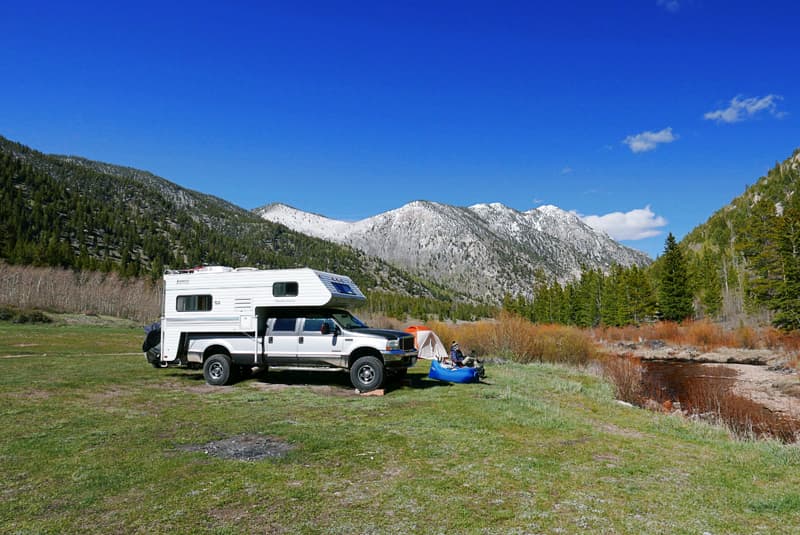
(407,343)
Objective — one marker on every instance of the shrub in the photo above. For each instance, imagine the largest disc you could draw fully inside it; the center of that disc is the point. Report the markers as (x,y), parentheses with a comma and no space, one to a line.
(515,338)
(664,330)
(704,334)
(23,316)
(625,374)
(746,337)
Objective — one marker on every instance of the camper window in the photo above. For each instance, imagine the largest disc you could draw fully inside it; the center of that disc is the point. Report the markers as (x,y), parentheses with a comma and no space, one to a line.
(284,289)
(193,303)
(343,288)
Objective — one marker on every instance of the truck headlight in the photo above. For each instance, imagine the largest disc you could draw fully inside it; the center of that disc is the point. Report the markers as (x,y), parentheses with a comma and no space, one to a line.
(392,344)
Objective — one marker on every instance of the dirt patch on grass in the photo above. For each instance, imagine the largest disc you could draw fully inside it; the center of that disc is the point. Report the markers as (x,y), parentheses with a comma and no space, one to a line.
(190,382)
(614,430)
(108,394)
(243,517)
(324,384)
(30,395)
(323,390)
(244,448)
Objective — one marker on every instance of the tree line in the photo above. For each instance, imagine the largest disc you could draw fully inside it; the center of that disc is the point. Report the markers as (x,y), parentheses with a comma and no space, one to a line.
(744,262)
(621,296)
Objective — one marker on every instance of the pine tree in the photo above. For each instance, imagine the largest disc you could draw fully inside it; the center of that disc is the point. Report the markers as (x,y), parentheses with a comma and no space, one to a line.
(588,298)
(786,302)
(757,244)
(640,294)
(675,296)
(711,284)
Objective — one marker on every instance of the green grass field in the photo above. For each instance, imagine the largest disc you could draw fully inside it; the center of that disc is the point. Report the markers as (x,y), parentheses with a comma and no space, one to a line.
(94,440)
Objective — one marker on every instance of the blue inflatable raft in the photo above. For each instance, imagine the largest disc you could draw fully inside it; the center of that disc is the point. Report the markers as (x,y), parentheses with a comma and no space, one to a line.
(453,375)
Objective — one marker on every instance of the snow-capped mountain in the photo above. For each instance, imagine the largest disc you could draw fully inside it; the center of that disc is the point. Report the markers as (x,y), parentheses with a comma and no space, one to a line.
(484,250)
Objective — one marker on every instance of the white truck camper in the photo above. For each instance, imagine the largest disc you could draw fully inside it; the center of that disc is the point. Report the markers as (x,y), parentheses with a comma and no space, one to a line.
(228,321)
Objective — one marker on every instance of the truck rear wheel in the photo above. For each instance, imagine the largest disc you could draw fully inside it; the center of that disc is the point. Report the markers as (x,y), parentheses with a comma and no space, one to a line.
(367,373)
(217,369)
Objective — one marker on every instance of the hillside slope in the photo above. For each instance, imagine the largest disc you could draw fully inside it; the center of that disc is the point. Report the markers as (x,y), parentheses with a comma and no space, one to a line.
(740,257)
(73,212)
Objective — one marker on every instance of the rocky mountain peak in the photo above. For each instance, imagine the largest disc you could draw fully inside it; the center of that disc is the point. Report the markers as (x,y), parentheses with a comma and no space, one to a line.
(485,249)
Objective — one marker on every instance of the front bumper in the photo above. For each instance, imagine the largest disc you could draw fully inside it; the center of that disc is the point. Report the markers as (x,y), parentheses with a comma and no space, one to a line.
(397,358)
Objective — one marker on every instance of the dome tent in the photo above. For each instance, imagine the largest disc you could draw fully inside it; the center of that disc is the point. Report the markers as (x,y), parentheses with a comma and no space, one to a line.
(428,344)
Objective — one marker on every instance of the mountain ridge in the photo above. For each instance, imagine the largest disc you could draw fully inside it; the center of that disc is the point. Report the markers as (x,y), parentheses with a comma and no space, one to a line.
(486,249)
(78,213)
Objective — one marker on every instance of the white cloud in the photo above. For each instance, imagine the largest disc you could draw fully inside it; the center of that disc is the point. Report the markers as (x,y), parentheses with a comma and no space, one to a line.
(670,5)
(745,108)
(566,170)
(647,141)
(637,224)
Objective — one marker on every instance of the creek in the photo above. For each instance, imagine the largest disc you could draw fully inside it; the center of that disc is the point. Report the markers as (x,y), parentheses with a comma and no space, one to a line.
(706,391)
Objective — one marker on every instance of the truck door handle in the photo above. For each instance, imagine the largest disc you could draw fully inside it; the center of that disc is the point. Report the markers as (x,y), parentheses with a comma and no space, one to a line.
(300,340)
(270,340)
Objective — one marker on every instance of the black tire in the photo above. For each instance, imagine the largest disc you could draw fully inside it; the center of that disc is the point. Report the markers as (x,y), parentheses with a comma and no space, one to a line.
(217,369)
(154,356)
(367,373)
(152,339)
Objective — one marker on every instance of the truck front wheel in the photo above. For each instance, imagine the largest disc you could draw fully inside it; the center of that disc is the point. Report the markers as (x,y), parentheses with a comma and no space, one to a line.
(217,369)
(366,373)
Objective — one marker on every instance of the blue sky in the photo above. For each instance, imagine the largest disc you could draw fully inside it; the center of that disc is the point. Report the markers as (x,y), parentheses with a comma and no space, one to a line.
(657,112)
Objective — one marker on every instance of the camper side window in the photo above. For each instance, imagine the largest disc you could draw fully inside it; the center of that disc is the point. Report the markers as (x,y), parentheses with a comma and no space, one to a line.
(284,289)
(343,288)
(193,303)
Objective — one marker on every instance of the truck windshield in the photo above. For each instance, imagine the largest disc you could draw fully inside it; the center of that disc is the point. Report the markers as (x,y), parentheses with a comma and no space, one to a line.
(348,321)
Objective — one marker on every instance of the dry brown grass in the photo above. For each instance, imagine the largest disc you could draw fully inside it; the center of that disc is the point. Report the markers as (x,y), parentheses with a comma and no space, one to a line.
(705,335)
(517,339)
(379,321)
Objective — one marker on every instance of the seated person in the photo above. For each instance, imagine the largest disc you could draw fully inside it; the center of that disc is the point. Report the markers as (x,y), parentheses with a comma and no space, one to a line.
(456,356)
(458,359)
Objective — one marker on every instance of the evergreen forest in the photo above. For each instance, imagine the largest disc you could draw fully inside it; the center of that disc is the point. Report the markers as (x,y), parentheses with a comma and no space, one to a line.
(742,264)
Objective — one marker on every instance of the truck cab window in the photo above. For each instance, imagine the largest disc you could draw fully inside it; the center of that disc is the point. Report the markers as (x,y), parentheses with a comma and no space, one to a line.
(284,324)
(313,325)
